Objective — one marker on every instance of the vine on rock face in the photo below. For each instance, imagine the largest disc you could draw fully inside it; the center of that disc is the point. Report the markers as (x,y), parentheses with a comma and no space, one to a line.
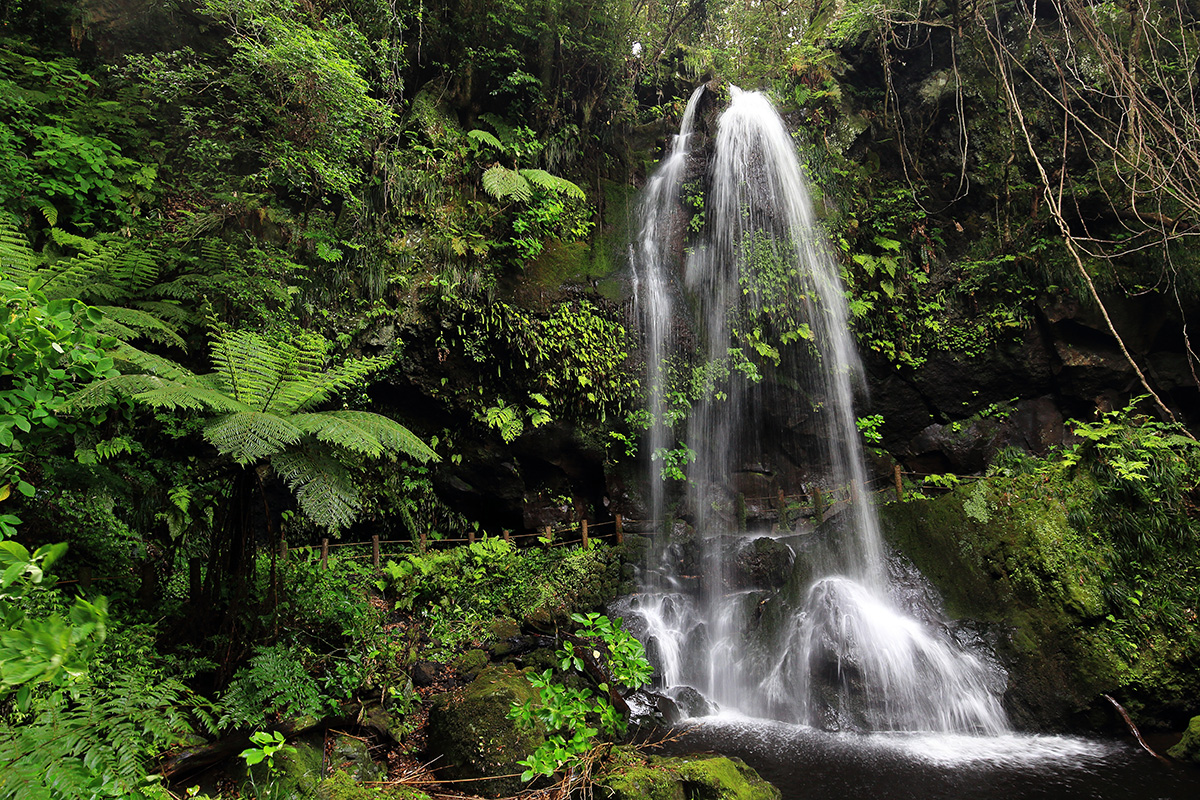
(604,650)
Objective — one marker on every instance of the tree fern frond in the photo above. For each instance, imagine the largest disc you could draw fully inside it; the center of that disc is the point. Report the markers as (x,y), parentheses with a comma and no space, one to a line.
(505,131)
(17,259)
(142,323)
(314,388)
(177,394)
(248,436)
(107,391)
(324,489)
(501,182)
(168,311)
(486,138)
(365,433)
(131,358)
(251,366)
(553,183)
(137,268)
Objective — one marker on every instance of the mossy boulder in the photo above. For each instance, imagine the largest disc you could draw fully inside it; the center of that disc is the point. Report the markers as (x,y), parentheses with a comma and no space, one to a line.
(342,786)
(1188,748)
(471,735)
(683,778)
(298,770)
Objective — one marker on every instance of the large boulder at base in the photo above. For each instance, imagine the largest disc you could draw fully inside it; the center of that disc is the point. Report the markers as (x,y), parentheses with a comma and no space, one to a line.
(1188,748)
(471,735)
(683,778)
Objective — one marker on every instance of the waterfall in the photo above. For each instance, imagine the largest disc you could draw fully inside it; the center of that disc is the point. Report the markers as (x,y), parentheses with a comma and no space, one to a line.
(830,640)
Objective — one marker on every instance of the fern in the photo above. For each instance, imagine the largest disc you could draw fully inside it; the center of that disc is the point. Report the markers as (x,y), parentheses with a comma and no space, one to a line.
(249,436)
(362,432)
(273,682)
(501,182)
(103,745)
(323,487)
(553,183)
(486,138)
(17,260)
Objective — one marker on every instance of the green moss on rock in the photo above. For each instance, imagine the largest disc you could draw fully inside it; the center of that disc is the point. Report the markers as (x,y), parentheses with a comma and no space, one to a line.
(471,735)
(684,778)
(342,786)
(1188,748)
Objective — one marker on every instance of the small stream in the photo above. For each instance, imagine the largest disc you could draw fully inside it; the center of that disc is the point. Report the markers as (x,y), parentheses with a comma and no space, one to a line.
(808,764)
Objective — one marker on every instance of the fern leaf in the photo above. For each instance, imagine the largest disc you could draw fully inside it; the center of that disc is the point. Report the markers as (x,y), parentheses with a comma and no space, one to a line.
(553,183)
(191,396)
(17,259)
(135,359)
(248,436)
(486,138)
(252,367)
(324,489)
(501,182)
(366,433)
(506,132)
(312,387)
(141,324)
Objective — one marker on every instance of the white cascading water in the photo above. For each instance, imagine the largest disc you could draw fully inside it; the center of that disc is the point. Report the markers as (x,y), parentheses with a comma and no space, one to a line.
(835,647)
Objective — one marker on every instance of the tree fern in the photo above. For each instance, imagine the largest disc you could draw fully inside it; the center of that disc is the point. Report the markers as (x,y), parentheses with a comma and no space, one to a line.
(259,406)
(362,432)
(501,182)
(249,436)
(553,183)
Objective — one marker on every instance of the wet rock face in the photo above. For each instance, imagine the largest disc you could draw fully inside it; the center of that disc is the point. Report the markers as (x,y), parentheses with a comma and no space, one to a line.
(764,563)
(471,736)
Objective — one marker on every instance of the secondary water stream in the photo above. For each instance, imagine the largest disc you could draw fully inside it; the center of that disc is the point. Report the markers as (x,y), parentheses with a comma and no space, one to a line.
(835,651)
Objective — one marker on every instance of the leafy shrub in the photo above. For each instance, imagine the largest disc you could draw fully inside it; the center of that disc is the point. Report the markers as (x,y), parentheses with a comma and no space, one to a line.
(274,682)
(601,646)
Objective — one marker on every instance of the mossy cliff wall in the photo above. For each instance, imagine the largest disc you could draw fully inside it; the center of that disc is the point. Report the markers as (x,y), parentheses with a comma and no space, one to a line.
(1005,553)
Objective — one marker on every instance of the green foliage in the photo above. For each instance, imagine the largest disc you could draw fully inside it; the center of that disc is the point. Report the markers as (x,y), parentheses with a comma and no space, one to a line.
(60,160)
(100,744)
(458,593)
(34,649)
(569,713)
(261,393)
(871,429)
(273,683)
(47,348)
(568,366)
(268,746)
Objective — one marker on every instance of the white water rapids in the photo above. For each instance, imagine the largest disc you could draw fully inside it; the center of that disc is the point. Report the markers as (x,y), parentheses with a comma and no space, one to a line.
(836,645)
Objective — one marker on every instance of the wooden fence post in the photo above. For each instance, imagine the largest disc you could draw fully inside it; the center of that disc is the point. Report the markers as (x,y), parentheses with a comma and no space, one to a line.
(818,505)
(899,482)
(583,525)
(375,551)
(548,535)
(85,577)
(620,530)
(324,554)
(422,541)
(283,550)
(507,536)
(855,493)
(471,536)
